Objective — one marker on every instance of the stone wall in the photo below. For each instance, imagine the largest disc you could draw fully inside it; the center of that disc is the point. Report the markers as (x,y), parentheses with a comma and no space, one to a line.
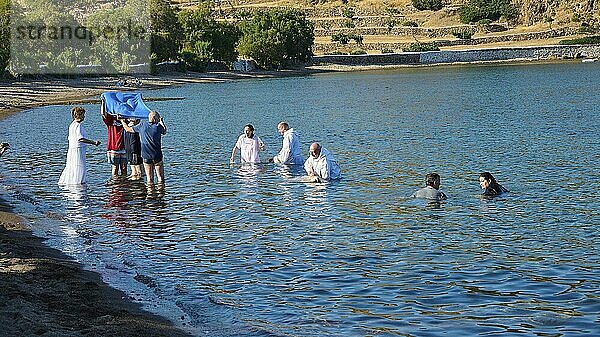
(505,54)
(552,33)
(474,55)
(382,59)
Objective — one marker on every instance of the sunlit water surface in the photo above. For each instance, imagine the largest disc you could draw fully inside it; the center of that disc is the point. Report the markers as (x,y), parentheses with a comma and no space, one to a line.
(251,251)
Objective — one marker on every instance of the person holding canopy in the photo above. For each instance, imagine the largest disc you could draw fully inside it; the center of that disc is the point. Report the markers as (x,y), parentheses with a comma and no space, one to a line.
(151,132)
(150,129)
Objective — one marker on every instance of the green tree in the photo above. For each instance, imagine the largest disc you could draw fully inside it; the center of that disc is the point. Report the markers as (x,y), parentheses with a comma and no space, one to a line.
(205,39)
(277,37)
(4,34)
(166,33)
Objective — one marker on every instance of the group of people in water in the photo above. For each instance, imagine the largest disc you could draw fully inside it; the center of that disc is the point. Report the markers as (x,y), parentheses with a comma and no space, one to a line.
(320,165)
(139,142)
(130,140)
(431,191)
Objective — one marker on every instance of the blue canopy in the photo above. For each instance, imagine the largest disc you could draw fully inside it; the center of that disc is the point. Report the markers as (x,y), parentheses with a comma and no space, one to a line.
(125,104)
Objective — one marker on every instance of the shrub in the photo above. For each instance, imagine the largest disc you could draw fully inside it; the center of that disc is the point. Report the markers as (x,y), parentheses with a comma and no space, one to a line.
(338,52)
(576,18)
(587,29)
(357,38)
(349,24)
(484,22)
(387,51)
(410,24)
(358,52)
(583,40)
(465,35)
(477,10)
(348,12)
(4,35)
(390,23)
(340,37)
(432,5)
(421,47)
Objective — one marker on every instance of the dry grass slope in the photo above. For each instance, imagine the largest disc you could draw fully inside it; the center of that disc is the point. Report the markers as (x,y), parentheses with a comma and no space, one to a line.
(383,24)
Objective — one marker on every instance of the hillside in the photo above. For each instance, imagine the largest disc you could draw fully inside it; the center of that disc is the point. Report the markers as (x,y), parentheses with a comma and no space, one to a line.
(390,25)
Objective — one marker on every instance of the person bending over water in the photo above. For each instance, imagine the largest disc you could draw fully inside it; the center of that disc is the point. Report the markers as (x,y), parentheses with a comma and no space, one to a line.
(3,148)
(489,185)
(431,190)
(320,165)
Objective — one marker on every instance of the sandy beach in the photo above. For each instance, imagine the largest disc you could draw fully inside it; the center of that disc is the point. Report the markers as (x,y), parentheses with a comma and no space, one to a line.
(44,292)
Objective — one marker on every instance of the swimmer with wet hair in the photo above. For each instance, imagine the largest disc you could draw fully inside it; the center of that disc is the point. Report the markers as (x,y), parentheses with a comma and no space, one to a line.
(489,185)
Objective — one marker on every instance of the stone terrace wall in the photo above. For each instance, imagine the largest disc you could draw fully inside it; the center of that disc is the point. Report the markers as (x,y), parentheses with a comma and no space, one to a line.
(505,54)
(382,59)
(332,47)
(454,56)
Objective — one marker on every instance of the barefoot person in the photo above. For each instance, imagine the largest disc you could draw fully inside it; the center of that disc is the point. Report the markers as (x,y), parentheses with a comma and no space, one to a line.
(115,147)
(291,152)
(320,165)
(249,145)
(151,133)
(133,149)
(75,171)
(431,191)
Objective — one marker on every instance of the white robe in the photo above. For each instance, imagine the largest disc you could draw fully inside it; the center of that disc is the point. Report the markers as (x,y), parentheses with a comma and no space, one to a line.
(75,169)
(249,148)
(323,166)
(291,152)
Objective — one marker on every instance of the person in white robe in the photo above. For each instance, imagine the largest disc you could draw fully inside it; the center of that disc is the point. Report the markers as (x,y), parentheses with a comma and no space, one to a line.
(291,151)
(320,165)
(249,146)
(75,171)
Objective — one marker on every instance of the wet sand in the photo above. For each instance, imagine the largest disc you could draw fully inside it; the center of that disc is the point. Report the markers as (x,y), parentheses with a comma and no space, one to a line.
(43,292)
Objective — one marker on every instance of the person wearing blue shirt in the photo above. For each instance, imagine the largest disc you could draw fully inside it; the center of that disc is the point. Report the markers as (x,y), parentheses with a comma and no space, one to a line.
(151,133)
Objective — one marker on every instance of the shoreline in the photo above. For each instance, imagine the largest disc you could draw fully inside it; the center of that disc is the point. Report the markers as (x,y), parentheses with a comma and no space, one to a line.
(45,292)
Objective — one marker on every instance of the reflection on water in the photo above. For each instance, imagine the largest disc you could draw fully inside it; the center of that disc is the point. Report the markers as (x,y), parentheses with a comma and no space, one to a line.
(254,250)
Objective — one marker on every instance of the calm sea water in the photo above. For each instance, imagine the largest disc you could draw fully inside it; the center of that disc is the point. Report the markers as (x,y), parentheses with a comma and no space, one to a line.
(249,251)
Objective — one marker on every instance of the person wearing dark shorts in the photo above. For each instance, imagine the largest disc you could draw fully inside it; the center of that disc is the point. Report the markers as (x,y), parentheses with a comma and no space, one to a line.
(115,148)
(151,132)
(133,148)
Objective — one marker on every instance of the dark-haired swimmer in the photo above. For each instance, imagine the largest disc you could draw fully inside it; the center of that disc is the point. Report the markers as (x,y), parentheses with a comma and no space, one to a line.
(431,190)
(489,185)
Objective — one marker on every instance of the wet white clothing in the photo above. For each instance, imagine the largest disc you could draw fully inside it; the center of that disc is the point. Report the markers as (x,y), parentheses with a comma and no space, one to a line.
(291,152)
(75,169)
(324,166)
(249,148)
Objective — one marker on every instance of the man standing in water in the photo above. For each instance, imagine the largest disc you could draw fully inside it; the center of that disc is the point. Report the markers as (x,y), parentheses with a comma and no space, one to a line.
(115,147)
(291,152)
(151,133)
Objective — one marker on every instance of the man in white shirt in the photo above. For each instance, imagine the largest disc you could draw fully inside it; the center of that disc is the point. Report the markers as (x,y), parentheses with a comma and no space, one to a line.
(320,165)
(291,152)
(249,145)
